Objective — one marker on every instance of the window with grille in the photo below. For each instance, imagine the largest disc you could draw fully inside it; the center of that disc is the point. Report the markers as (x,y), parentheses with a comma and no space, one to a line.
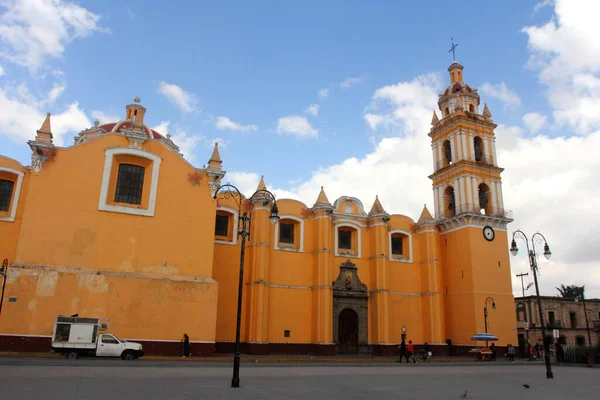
(222,225)
(345,240)
(130,183)
(286,233)
(397,246)
(6,190)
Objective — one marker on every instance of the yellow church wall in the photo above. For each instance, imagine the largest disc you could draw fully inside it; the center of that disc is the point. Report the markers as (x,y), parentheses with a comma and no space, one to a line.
(290,309)
(140,306)
(10,230)
(70,186)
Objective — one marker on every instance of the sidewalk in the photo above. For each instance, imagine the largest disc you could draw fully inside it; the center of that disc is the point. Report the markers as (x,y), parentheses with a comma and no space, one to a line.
(282,358)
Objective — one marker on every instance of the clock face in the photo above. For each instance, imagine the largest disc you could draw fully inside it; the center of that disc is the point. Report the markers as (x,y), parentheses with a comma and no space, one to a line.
(488,233)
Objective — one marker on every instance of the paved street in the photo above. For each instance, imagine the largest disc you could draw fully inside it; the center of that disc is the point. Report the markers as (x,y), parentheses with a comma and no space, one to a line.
(90,379)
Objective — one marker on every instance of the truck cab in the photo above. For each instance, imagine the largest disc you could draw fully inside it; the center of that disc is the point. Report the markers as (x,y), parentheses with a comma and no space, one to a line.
(78,337)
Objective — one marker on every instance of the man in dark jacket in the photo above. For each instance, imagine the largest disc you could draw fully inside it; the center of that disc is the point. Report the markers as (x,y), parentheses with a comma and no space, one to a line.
(403,353)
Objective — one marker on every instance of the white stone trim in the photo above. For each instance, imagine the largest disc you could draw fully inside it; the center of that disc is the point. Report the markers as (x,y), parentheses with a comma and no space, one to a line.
(461,188)
(500,199)
(236,218)
(433,155)
(17,190)
(276,240)
(463,134)
(469,190)
(453,151)
(108,162)
(406,260)
(357,227)
(440,154)
(486,151)
(472,145)
(495,162)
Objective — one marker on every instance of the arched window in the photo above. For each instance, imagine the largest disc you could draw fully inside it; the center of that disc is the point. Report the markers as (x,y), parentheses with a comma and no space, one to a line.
(471,108)
(289,233)
(449,202)
(478,147)
(485,196)
(347,240)
(10,189)
(226,223)
(447,148)
(400,245)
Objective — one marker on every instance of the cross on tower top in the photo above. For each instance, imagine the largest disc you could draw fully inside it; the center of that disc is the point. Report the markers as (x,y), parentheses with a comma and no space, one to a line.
(454,46)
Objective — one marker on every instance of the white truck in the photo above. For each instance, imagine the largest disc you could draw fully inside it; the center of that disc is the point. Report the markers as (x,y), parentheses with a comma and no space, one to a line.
(78,337)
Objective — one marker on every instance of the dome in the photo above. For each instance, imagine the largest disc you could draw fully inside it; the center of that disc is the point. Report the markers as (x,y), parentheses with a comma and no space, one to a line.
(125,124)
(458,87)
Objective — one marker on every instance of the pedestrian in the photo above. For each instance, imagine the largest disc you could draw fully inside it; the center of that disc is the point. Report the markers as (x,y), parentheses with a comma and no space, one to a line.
(185,346)
(511,352)
(411,352)
(493,350)
(560,354)
(425,353)
(402,349)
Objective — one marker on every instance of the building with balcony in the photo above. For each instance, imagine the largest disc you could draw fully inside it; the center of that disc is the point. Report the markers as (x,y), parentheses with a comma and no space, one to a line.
(561,314)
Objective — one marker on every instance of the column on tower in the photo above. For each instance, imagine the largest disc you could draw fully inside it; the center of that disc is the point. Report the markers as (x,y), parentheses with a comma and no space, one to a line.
(459,146)
(486,151)
(494,160)
(322,294)
(433,156)
(431,273)
(260,236)
(453,147)
(379,266)
(472,146)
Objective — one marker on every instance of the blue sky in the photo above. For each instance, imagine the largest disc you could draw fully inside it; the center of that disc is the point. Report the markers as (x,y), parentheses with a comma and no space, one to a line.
(253,76)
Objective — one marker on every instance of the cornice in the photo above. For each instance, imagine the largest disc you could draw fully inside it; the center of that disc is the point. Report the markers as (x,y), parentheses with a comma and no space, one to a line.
(472,220)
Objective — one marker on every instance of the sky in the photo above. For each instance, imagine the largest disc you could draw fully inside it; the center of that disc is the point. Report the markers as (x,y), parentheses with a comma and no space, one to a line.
(337,94)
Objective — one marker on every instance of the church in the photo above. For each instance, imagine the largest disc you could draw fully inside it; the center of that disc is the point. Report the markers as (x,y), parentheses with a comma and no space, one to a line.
(120,226)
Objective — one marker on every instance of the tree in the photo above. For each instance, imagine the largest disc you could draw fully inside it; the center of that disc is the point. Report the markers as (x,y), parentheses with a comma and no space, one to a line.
(571,291)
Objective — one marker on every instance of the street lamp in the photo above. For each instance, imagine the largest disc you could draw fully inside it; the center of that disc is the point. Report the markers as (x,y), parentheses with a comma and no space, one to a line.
(264,198)
(485,314)
(536,238)
(587,324)
(3,274)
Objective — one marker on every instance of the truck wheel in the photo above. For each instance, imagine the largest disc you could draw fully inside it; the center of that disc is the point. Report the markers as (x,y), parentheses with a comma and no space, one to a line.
(72,355)
(128,355)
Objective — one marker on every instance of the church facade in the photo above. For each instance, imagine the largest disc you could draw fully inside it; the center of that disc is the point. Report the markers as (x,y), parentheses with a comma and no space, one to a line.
(120,226)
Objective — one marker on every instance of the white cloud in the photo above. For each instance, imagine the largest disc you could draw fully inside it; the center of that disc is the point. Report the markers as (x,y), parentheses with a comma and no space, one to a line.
(297,126)
(1,70)
(103,118)
(31,30)
(509,97)
(350,82)
(566,54)
(56,91)
(181,99)
(22,115)
(313,109)
(224,123)
(534,122)
(323,93)
(131,14)
(162,127)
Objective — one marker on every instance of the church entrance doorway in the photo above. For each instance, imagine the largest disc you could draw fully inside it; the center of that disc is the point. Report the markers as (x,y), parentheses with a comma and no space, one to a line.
(348,332)
(350,312)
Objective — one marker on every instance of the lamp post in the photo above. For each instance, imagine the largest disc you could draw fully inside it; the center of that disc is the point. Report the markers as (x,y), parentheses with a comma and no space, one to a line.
(3,274)
(536,238)
(485,314)
(587,324)
(264,198)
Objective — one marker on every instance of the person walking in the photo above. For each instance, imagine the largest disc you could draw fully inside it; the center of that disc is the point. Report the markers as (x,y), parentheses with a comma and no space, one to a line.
(411,352)
(402,349)
(493,350)
(560,354)
(510,350)
(185,346)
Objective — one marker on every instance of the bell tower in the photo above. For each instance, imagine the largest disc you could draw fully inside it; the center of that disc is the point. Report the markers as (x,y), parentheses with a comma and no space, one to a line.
(470,215)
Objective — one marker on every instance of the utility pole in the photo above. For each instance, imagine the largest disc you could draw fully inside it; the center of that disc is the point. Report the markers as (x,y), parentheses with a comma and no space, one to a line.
(522,286)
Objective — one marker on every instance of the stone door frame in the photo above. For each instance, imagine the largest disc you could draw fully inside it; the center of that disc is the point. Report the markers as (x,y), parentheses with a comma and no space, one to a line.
(350,292)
